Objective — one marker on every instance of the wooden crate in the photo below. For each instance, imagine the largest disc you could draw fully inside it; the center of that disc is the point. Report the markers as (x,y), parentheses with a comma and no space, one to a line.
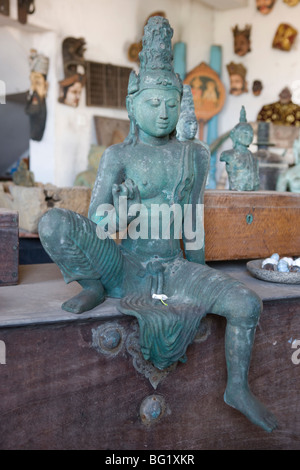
(9,247)
(251,224)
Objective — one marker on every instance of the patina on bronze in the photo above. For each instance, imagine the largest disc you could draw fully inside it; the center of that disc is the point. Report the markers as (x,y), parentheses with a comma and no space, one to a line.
(153,167)
(241,164)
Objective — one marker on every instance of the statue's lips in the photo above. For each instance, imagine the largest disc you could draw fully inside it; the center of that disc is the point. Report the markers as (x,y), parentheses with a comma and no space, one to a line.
(163,125)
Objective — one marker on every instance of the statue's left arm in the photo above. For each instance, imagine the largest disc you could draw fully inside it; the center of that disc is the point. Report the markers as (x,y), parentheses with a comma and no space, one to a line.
(193,224)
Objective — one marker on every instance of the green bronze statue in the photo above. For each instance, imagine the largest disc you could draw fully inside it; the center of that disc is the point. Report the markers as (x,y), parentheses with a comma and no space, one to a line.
(145,186)
(241,165)
(290,179)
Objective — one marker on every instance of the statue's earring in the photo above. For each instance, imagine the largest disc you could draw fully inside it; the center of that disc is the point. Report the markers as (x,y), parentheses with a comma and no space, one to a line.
(129,106)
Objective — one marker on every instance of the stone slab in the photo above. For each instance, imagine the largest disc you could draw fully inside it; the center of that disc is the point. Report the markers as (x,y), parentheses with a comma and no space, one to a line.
(41,290)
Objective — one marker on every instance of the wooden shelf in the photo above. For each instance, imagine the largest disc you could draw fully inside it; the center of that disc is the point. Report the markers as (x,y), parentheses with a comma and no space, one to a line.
(29,28)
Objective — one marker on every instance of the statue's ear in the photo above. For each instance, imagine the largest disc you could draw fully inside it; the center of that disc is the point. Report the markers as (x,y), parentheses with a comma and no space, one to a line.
(129,104)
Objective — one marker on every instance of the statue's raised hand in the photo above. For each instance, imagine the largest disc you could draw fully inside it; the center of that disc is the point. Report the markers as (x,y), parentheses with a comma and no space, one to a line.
(126,199)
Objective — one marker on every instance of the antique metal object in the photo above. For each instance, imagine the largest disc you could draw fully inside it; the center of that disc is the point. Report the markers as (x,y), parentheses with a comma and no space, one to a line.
(289,180)
(108,338)
(153,168)
(152,409)
(241,164)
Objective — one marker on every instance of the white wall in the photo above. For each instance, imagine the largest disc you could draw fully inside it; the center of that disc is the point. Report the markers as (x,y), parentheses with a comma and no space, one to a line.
(276,69)
(108,28)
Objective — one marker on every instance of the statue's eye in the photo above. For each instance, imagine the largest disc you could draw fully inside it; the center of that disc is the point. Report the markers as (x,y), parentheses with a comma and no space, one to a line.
(155,102)
(172,103)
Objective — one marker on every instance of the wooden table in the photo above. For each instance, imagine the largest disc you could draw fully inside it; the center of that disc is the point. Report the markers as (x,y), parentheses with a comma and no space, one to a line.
(61,389)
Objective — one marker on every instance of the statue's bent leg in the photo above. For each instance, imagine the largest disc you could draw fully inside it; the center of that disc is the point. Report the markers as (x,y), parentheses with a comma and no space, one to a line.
(223,295)
(72,243)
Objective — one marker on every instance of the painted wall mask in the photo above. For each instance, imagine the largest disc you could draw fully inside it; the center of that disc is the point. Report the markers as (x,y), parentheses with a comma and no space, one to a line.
(237,75)
(36,98)
(265,6)
(284,37)
(70,90)
(241,39)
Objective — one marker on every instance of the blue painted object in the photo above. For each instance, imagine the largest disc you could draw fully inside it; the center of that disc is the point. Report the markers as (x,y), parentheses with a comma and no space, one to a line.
(179,53)
(212,126)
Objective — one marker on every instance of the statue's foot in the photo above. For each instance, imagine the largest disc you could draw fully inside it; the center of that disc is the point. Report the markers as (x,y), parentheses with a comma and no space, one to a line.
(244,401)
(91,295)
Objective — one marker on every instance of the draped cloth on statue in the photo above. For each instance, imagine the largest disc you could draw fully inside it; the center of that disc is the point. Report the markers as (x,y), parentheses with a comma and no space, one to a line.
(166,330)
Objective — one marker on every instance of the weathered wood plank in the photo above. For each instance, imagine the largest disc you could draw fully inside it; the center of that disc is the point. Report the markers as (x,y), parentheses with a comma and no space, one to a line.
(9,247)
(58,392)
(250,225)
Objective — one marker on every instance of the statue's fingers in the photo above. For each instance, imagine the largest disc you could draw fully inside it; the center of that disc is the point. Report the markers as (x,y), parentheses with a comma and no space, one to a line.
(130,186)
(115,189)
(123,190)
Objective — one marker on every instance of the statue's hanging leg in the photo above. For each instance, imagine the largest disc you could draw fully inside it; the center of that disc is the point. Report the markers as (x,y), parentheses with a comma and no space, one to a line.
(97,265)
(238,346)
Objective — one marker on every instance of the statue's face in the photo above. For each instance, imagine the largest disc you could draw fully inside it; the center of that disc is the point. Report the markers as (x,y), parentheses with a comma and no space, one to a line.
(156,111)
(190,128)
(242,134)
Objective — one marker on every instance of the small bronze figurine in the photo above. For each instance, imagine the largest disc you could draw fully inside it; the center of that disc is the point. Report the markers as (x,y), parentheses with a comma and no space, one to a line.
(241,164)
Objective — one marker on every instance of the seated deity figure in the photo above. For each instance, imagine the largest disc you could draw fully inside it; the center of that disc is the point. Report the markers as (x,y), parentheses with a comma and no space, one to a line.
(290,179)
(241,165)
(137,181)
(187,125)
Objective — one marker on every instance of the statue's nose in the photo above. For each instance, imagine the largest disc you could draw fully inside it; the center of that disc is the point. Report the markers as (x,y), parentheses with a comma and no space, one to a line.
(163,111)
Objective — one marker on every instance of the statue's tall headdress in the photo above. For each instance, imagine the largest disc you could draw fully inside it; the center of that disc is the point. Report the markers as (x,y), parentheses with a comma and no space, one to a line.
(187,111)
(156,59)
(187,102)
